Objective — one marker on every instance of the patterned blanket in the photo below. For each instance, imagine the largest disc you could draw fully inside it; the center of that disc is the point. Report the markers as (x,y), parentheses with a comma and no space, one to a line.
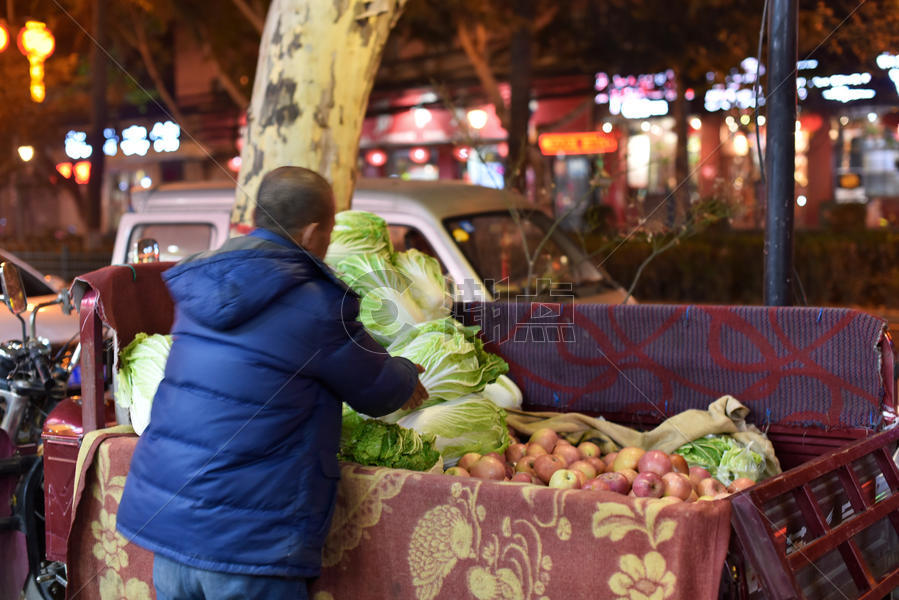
(402,534)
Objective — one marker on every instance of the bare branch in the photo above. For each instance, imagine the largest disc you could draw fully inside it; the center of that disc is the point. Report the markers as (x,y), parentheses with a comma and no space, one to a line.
(143,48)
(476,51)
(255,19)
(231,88)
(545,18)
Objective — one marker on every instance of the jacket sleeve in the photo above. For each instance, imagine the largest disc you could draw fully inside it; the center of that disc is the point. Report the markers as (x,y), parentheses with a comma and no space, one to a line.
(356,368)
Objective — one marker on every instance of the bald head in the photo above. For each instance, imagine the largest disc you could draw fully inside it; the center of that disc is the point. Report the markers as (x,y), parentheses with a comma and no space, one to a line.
(299,203)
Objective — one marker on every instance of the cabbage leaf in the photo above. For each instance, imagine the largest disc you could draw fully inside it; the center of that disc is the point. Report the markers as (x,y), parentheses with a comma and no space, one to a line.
(376,443)
(472,423)
(428,286)
(141,369)
(358,232)
(504,393)
(388,308)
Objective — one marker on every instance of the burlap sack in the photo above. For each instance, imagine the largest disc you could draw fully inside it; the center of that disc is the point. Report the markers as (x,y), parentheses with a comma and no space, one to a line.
(724,415)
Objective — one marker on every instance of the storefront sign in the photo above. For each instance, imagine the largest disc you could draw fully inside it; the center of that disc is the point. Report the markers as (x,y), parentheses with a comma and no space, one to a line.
(589,142)
(636,96)
(134,140)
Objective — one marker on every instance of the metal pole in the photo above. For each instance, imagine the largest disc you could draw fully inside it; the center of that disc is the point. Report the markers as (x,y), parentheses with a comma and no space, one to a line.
(780,160)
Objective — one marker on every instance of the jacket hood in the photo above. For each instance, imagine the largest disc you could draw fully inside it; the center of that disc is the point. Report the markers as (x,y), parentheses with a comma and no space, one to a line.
(224,288)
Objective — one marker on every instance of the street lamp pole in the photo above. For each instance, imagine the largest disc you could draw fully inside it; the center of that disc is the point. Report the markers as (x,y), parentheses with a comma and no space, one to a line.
(781,151)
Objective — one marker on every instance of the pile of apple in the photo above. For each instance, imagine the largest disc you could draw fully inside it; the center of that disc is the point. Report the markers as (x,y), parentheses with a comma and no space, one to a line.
(547,459)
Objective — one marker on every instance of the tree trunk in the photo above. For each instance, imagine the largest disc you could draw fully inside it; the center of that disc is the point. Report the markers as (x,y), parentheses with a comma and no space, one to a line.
(98,123)
(681,193)
(520,96)
(317,65)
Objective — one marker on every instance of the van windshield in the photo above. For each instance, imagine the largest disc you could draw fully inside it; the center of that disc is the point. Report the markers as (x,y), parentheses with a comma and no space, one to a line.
(524,255)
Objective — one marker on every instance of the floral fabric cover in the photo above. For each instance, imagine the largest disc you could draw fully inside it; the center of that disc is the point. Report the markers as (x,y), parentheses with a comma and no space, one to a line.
(402,534)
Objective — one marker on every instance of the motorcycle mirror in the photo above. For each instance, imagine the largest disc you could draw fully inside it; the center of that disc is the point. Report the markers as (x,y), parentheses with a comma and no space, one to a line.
(13,289)
(147,250)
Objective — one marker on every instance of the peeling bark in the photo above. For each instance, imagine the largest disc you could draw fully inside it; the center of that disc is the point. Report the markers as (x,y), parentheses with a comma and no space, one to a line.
(316,68)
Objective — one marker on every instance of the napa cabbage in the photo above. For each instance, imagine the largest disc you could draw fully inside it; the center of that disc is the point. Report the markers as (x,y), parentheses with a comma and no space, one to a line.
(358,232)
(376,443)
(141,369)
(472,423)
(428,286)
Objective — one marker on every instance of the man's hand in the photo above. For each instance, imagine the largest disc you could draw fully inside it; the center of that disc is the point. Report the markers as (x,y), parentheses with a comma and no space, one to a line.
(419,395)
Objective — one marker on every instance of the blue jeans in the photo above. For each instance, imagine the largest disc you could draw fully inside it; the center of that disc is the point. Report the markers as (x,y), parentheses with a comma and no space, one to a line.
(176,581)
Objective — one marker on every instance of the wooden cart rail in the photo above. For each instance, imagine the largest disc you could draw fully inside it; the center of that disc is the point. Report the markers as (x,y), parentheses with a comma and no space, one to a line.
(800,550)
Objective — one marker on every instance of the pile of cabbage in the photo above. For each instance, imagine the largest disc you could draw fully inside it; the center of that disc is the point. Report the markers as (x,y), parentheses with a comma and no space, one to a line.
(406,305)
(725,458)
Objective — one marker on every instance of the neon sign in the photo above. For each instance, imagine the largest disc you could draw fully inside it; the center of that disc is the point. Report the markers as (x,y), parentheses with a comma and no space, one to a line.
(590,142)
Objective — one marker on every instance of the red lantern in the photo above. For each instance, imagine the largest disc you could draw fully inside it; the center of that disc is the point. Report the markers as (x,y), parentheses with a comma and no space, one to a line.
(65,169)
(82,171)
(37,43)
(4,37)
(461,153)
(419,155)
(376,158)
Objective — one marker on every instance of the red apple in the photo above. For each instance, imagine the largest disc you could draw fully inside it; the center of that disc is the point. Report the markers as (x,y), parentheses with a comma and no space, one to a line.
(584,467)
(564,479)
(627,458)
(469,459)
(648,485)
(457,471)
(547,464)
(488,467)
(596,484)
(535,449)
(597,463)
(526,465)
(710,487)
(630,474)
(581,478)
(523,477)
(654,461)
(677,485)
(515,451)
(693,497)
(588,449)
(545,437)
(568,452)
(679,464)
(609,460)
(697,474)
(501,458)
(739,484)
(617,482)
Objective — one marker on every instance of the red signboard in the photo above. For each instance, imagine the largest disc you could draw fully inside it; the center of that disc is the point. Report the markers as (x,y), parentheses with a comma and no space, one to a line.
(588,142)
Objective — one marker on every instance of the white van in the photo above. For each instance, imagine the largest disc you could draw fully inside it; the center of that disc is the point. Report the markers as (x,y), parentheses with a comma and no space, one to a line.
(476,233)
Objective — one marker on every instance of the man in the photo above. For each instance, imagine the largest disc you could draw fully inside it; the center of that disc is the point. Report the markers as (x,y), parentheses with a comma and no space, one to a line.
(233,483)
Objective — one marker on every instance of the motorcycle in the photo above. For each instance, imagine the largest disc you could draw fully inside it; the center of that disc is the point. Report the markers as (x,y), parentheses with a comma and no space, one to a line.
(33,380)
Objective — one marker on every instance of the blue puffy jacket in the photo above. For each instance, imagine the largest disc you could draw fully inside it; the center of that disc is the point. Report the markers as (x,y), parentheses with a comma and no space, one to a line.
(237,471)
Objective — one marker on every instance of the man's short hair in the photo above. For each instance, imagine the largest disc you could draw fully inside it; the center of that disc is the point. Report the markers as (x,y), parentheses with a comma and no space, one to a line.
(290,198)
